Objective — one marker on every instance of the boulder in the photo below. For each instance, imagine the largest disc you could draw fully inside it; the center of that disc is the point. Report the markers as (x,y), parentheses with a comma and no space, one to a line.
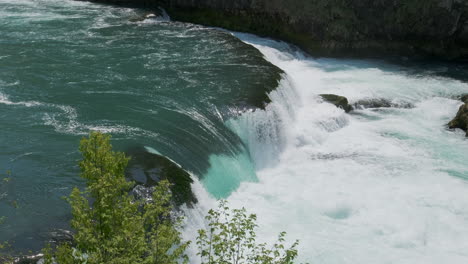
(338,101)
(461,119)
(378,103)
(464,98)
(148,168)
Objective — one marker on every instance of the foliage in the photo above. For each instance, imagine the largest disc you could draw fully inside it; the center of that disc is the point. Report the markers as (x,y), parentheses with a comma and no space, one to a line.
(231,239)
(4,180)
(110,225)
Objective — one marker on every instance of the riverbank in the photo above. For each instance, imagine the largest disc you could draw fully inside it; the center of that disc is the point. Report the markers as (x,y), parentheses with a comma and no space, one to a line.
(338,28)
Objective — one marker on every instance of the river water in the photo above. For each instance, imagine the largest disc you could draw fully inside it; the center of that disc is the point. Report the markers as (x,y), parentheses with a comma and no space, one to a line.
(378,185)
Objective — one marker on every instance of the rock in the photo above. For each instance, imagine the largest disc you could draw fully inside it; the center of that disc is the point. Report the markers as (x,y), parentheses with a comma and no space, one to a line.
(461,119)
(142,17)
(60,236)
(464,98)
(378,103)
(149,168)
(32,259)
(54,237)
(142,192)
(338,101)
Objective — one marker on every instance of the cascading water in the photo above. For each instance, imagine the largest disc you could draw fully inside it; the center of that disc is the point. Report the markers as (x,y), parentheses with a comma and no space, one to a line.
(380,185)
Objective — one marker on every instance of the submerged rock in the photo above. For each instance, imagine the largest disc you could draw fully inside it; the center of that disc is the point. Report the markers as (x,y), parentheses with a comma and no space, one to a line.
(379,103)
(141,18)
(338,101)
(461,119)
(59,236)
(149,168)
(32,259)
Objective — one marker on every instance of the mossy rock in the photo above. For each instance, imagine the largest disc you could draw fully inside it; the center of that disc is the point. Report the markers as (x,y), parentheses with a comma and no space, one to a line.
(461,119)
(149,168)
(338,101)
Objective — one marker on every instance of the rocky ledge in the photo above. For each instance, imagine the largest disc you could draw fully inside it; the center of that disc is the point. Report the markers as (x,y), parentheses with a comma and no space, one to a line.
(436,28)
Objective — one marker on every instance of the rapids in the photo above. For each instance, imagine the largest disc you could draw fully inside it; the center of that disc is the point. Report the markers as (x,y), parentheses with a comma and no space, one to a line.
(384,185)
(377,185)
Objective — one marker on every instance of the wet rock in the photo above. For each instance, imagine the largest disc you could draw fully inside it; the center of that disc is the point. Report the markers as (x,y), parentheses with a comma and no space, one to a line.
(461,119)
(379,103)
(32,259)
(144,193)
(148,169)
(338,101)
(464,98)
(143,17)
(60,236)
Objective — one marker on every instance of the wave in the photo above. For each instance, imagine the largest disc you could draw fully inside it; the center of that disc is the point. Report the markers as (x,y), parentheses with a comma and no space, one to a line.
(4,99)
(65,120)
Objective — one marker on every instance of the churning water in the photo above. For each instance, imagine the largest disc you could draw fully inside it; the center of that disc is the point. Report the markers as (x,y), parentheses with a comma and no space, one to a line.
(378,185)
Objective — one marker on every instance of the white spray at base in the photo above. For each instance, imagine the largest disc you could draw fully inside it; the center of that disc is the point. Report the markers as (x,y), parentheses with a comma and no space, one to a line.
(377,186)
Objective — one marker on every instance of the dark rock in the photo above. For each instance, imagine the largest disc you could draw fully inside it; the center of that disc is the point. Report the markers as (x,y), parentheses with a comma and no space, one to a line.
(32,259)
(337,27)
(138,18)
(338,101)
(149,168)
(60,236)
(464,98)
(461,120)
(378,103)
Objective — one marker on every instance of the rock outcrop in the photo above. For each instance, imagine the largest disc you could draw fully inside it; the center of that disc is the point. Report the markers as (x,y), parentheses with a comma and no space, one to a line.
(337,27)
(461,119)
(149,168)
(338,101)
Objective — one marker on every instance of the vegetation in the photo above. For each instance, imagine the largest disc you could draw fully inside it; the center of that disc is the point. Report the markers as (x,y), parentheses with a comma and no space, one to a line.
(110,225)
(4,179)
(113,227)
(231,239)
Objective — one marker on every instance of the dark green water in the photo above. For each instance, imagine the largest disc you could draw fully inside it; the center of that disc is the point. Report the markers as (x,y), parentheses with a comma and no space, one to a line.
(69,67)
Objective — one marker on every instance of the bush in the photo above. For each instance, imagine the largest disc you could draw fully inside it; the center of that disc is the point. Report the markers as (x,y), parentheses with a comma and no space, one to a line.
(231,239)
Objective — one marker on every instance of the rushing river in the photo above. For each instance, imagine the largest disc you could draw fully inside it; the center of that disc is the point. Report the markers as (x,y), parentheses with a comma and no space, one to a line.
(378,185)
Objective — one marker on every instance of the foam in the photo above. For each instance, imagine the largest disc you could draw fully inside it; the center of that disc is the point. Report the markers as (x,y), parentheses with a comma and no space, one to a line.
(376,186)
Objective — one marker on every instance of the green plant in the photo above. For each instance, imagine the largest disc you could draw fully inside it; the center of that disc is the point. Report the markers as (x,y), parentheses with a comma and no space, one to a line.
(231,239)
(4,246)
(111,226)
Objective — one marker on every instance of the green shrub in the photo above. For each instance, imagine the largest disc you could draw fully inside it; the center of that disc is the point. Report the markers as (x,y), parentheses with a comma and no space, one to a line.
(231,239)
(110,225)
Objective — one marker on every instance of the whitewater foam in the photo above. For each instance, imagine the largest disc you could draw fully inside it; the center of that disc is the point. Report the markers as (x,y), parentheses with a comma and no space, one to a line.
(4,99)
(376,186)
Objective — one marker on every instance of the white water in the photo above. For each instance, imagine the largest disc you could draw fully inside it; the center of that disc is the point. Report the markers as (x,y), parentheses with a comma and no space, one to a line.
(376,186)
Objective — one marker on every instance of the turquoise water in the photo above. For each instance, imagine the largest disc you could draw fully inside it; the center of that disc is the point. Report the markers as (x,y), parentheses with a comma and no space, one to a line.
(68,67)
(375,186)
